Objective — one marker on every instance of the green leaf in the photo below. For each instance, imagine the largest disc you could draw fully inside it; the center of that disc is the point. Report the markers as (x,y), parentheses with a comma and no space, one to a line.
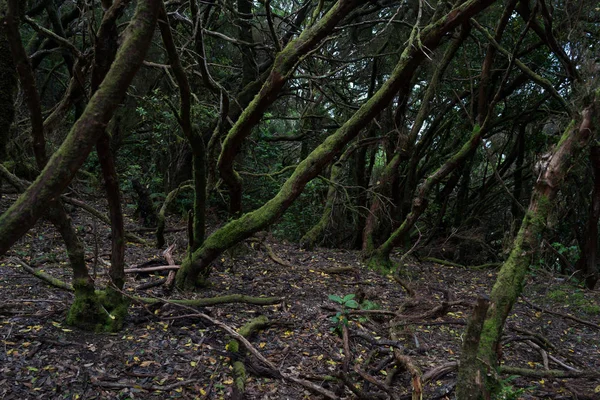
(336,298)
(351,304)
(348,297)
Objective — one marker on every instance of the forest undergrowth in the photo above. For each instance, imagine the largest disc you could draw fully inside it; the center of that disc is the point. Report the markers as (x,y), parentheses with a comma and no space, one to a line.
(335,324)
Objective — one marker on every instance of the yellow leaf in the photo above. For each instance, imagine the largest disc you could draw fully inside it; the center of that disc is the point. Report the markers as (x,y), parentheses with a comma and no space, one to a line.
(597,389)
(228,381)
(262,345)
(203,392)
(147,363)
(193,363)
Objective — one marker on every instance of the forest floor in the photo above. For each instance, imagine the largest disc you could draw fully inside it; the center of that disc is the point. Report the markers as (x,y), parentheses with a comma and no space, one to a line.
(160,354)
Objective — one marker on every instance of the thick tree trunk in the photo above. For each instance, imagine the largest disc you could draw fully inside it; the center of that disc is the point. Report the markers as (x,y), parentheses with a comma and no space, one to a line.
(56,212)
(195,270)
(588,263)
(510,278)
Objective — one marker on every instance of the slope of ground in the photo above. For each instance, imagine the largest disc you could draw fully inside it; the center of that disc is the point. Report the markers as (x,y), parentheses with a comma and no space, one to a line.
(163,352)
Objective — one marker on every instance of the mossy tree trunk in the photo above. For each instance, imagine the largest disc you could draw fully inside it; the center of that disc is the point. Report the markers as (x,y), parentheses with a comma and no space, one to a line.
(56,212)
(380,259)
(402,154)
(62,166)
(105,50)
(510,278)
(284,65)
(196,269)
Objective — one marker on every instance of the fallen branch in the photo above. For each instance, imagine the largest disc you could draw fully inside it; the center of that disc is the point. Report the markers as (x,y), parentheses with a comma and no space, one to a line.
(241,339)
(152,269)
(453,264)
(567,316)
(275,258)
(125,385)
(552,373)
(43,276)
(211,301)
(152,284)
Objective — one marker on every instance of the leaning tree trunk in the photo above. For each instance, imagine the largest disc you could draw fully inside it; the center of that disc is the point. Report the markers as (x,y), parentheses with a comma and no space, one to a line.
(192,134)
(391,169)
(587,264)
(56,213)
(62,166)
(510,278)
(196,269)
(284,65)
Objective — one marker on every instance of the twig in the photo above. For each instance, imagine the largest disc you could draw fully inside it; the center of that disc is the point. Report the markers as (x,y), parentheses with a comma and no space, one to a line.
(567,316)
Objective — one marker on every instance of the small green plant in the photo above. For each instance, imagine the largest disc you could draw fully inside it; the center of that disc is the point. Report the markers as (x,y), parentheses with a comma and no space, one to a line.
(341,318)
(509,392)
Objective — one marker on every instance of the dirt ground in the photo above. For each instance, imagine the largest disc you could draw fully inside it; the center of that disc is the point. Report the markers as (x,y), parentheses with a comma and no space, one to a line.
(162,353)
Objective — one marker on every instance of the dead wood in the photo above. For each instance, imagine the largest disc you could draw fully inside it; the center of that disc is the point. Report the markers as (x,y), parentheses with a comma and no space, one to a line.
(43,276)
(567,316)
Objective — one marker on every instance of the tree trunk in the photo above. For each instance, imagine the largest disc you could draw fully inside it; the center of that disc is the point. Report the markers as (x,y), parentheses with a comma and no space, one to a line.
(587,264)
(195,270)
(283,66)
(105,50)
(510,278)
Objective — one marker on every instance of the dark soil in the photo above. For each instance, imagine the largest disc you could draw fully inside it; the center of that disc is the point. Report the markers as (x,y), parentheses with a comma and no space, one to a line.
(159,355)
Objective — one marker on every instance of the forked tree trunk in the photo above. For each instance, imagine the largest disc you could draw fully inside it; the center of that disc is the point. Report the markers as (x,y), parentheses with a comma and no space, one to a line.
(195,270)
(510,278)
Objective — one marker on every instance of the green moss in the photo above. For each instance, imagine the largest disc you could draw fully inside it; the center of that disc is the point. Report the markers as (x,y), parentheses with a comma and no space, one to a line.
(239,372)
(86,312)
(380,263)
(99,311)
(557,295)
(233,346)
